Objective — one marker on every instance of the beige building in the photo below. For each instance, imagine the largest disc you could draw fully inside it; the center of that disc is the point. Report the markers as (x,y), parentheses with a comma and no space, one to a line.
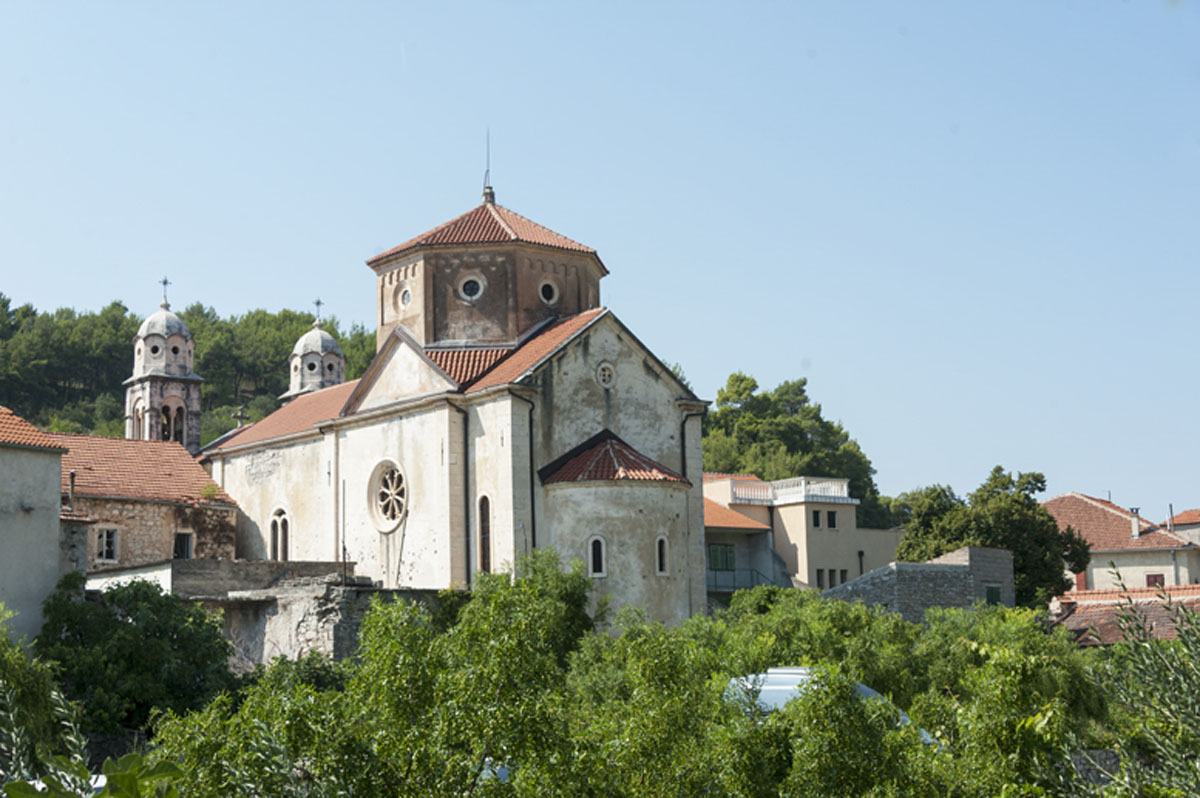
(505,410)
(804,530)
(30,552)
(1145,554)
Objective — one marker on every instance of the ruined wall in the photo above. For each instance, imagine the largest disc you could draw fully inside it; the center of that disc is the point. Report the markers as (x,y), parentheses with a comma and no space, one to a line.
(146,530)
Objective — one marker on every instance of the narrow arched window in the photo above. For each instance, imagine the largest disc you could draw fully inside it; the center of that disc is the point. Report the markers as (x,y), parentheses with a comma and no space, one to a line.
(485,535)
(177,425)
(164,430)
(597,557)
(661,564)
(280,529)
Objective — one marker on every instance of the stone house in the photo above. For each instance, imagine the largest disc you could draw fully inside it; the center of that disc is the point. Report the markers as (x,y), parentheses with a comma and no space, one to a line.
(961,578)
(146,501)
(1093,616)
(30,552)
(1145,554)
(801,531)
(505,410)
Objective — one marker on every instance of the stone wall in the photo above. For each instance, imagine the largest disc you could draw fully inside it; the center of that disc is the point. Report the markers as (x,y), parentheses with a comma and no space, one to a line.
(301,615)
(146,530)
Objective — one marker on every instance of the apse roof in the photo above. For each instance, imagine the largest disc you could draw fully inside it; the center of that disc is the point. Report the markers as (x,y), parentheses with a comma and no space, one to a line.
(606,458)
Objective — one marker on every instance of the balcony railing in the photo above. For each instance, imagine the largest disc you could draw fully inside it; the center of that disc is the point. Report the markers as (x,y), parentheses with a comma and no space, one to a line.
(738,579)
(792,490)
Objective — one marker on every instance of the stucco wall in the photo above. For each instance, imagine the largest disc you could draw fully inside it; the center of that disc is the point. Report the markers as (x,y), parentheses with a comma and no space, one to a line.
(805,548)
(29,534)
(1178,568)
(146,530)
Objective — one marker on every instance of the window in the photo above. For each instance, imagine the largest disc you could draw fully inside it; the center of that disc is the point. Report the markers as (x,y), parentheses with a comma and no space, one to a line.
(720,557)
(832,578)
(549,292)
(183,546)
(820,578)
(106,545)
(817,519)
(606,375)
(992,594)
(596,557)
(472,287)
(388,496)
(154,349)
(831,519)
(312,367)
(405,297)
(175,351)
(842,577)
(280,532)
(661,564)
(485,535)
(1155,580)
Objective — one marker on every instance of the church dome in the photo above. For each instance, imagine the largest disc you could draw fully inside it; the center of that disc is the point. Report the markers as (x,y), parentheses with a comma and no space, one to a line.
(163,322)
(316,342)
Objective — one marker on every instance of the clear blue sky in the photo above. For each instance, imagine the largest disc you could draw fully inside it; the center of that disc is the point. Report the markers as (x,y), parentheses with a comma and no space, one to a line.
(974,227)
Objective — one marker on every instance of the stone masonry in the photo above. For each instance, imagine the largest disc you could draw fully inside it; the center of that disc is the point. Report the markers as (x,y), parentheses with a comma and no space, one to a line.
(146,529)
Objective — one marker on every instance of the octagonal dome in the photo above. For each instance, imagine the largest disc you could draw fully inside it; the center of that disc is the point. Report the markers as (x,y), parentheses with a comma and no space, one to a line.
(165,323)
(316,341)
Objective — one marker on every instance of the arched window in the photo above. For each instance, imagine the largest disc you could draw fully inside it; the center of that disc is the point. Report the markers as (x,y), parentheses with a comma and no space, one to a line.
(662,565)
(177,424)
(137,421)
(164,428)
(280,529)
(485,535)
(597,557)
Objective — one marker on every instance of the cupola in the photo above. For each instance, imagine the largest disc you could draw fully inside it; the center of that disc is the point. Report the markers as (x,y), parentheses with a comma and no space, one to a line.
(316,362)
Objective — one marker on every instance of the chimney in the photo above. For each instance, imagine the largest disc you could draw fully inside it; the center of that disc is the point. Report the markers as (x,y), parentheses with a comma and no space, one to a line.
(1135,522)
(1171,517)
(71,490)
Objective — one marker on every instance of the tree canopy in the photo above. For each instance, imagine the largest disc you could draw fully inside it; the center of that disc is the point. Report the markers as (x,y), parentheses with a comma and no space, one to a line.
(781,433)
(64,369)
(1002,513)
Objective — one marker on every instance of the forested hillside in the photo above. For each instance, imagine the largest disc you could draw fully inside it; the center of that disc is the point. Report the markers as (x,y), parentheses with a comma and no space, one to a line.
(63,369)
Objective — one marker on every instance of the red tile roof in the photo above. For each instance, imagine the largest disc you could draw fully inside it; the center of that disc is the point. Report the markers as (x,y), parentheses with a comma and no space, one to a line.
(1186,518)
(530,354)
(466,365)
(606,458)
(1092,615)
(1107,527)
(721,517)
(147,470)
(17,432)
(488,223)
(299,415)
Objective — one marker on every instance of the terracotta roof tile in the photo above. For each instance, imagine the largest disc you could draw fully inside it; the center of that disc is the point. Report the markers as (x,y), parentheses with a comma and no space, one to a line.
(1092,615)
(466,365)
(1107,527)
(533,351)
(606,458)
(147,470)
(299,415)
(721,517)
(488,223)
(1186,518)
(16,431)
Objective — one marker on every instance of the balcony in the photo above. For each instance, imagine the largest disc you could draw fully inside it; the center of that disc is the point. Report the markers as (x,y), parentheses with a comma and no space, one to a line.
(792,491)
(738,579)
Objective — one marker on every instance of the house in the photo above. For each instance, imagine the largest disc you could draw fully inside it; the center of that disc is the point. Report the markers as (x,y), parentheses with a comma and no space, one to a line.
(30,551)
(505,410)
(800,531)
(1145,554)
(1093,617)
(146,501)
(960,578)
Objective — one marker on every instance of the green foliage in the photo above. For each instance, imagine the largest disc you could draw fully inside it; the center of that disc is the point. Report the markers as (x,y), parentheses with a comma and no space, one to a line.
(131,651)
(64,370)
(1003,513)
(779,434)
(26,692)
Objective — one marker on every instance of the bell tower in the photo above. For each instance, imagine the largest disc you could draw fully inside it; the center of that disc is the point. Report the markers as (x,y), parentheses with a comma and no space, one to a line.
(162,398)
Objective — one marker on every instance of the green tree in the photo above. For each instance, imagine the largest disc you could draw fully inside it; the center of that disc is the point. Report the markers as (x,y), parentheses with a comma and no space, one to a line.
(781,433)
(130,651)
(1002,513)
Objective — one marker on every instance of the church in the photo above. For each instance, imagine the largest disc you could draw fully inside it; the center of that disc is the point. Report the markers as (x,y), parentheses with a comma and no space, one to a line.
(505,410)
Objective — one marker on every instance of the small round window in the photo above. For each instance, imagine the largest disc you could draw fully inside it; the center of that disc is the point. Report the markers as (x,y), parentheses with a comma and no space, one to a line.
(606,375)
(402,296)
(312,366)
(174,350)
(389,496)
(471,288)
(548,292)
(329,367)
(154,349)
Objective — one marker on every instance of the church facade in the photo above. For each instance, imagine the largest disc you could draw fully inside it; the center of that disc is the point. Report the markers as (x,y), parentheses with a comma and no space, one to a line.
(505,410)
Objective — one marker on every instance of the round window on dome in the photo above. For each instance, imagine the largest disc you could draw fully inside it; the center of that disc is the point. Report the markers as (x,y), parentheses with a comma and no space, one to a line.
(472,287)
(174,350)
(329,367)
(312,366)
(154,349)
(548,291)
(296,368)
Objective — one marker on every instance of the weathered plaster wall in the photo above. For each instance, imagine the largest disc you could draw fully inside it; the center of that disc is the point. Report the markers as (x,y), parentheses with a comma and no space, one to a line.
(29,534)
(629,516)
(146,530)
(393,279)
(1180,567)
(406,375)
(493,464)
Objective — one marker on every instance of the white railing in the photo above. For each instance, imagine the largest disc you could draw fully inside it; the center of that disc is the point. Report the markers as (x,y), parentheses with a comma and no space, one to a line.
(797,489)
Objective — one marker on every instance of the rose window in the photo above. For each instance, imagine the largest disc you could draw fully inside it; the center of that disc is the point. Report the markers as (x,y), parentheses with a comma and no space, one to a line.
(391,497)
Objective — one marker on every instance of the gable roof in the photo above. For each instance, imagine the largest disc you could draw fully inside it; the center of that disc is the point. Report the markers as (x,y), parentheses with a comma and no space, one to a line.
(604,457)
(299,415)
(17,433)
(530,354)
(1106,526)
(146,470)
(487,223)
(465,365)
(721,517)
(1186,518)
(1092,616)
